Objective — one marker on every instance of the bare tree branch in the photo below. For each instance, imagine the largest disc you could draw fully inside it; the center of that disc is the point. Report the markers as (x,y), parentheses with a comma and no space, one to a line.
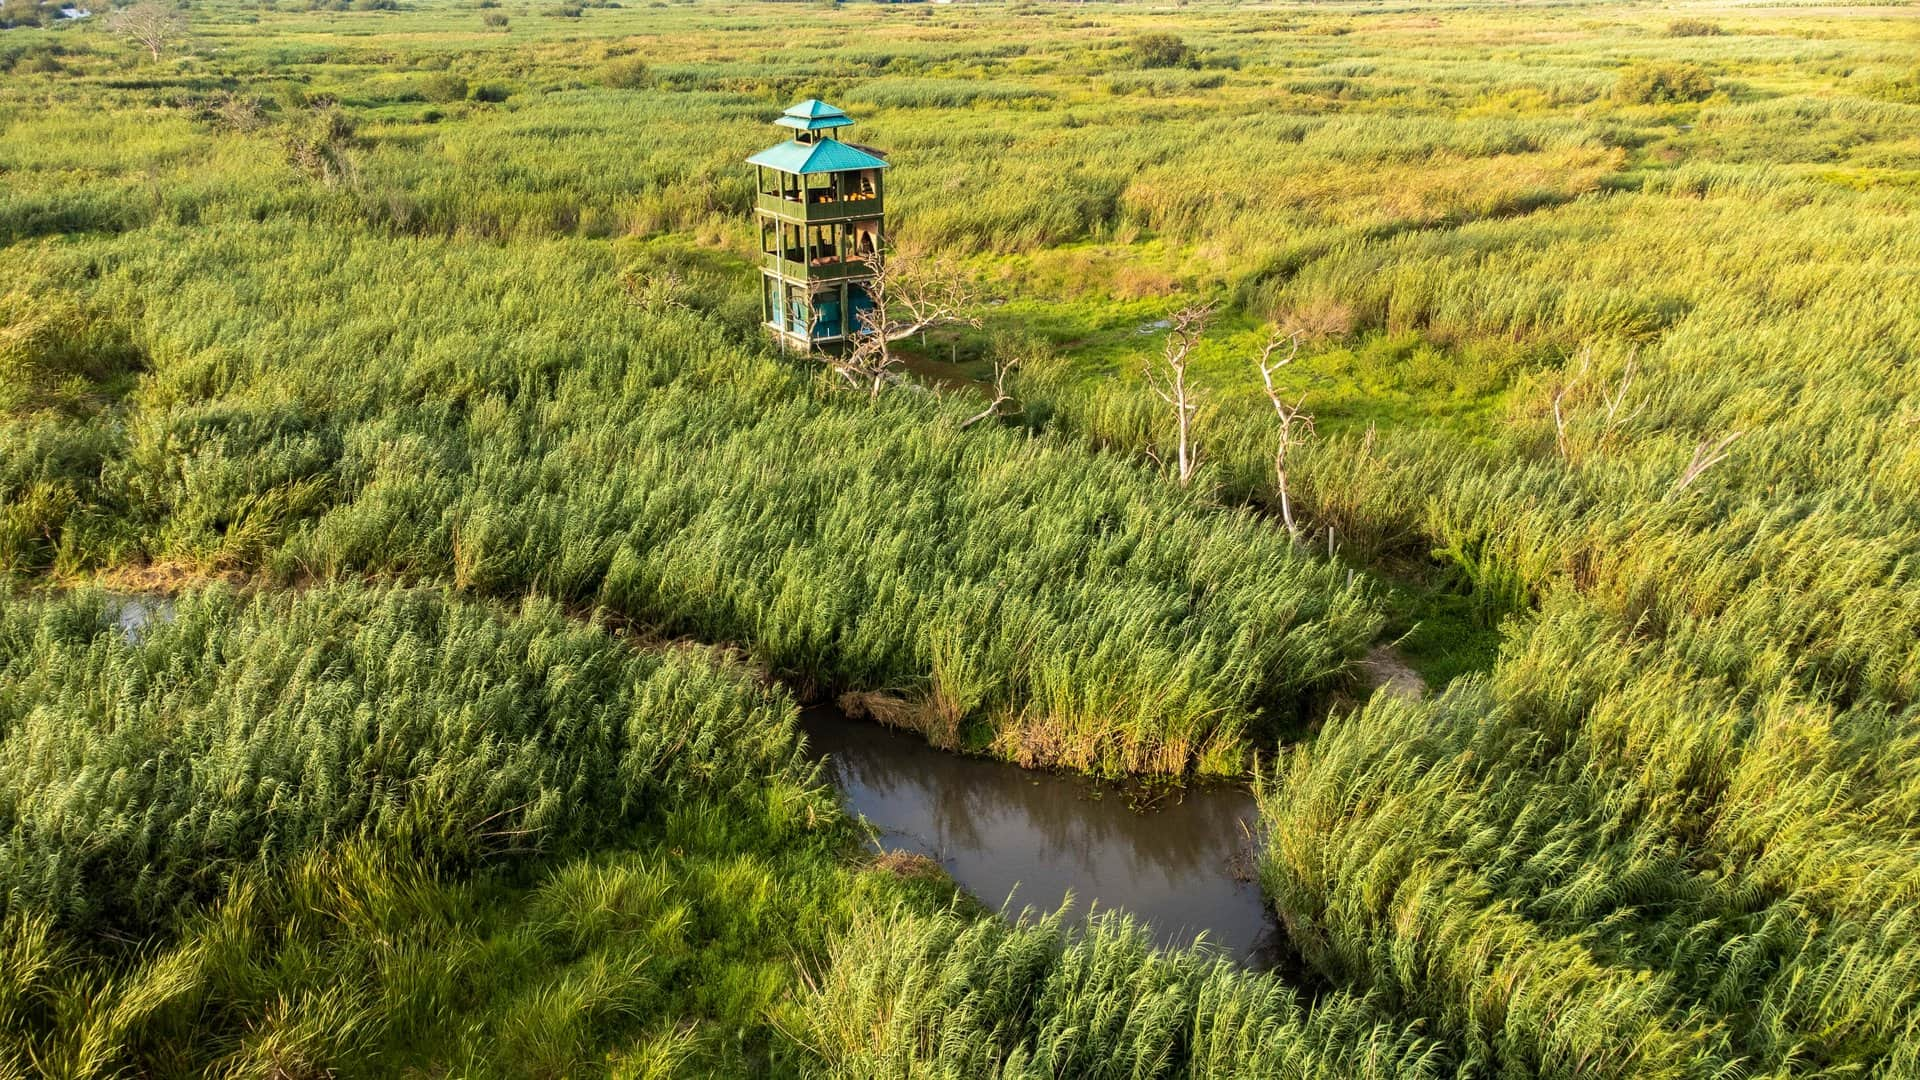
(1615,415)
(1617,398)
(1296,425)
(150,24)
(909,295)
(1168,381)
(1705,456)
(1001,369)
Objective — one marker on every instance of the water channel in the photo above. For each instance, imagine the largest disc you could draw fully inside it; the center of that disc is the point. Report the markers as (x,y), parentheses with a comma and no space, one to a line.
(1184,864)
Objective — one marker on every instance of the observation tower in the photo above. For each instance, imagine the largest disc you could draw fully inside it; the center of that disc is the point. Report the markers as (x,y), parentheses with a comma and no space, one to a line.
(821,209)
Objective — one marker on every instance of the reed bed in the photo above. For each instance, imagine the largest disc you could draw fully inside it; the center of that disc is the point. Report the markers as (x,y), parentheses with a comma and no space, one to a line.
(941,995)
(139,776)
(285,308)
(1026,597)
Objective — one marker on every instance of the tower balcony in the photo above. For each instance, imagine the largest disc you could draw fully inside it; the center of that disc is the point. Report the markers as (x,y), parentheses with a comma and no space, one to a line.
(815,209)
(793,266)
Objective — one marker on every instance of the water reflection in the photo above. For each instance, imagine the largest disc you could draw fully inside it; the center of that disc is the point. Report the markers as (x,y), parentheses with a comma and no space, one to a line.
(132,613)
(1183,866)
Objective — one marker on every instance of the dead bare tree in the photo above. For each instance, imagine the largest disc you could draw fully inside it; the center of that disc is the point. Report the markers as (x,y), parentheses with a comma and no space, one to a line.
(910,295)
(1168,381)
(151,24)
(1002,368)
(1705,456)
(1296,424)
(1613,400)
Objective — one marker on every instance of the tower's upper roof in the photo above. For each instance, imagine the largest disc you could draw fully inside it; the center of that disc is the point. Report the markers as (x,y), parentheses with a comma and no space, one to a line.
(813,109)
(814,115)
(825,156)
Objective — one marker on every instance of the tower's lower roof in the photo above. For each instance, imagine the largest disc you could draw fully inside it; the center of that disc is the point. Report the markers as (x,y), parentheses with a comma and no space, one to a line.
(825,156)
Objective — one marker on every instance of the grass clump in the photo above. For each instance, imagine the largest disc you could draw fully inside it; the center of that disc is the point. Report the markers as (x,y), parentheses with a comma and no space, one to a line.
(443,87)
(627,73)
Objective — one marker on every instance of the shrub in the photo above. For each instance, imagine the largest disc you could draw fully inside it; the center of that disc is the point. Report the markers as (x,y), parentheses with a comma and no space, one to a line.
(442,87)
(376,5)
(1663,84)
(1159,50)
(19,13)
(1900,91)
(490,93)
(565,11)
(494,20)
(626,73)
(1693,28)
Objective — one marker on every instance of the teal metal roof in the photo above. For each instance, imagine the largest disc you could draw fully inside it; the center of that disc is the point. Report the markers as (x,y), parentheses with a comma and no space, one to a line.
(816,124)
(815,109)
(827,155)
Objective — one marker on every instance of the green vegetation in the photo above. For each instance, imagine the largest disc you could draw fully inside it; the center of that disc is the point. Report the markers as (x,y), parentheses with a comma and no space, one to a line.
(431,325)
(138,778)
(1025,596)
(941,995)
(1693,28)
(1159,50)
(1662,84)
(316,771)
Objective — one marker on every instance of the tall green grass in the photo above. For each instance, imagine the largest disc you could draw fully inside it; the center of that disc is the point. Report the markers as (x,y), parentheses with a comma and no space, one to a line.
(1018,595)
(1598,855)
(366,832)
(937,995)
(138,776)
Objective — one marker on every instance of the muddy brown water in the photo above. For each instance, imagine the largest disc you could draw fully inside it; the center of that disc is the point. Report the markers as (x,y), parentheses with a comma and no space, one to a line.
(1016,839)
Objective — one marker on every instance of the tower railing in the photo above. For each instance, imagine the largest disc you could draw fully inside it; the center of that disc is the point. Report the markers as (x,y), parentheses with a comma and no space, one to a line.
(830,209)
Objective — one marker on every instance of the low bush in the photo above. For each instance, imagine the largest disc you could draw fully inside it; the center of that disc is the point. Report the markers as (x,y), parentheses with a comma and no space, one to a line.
(1903,91)
(1663,84)
(1159,50)
(1693,28)
(442,87)
(626,73)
